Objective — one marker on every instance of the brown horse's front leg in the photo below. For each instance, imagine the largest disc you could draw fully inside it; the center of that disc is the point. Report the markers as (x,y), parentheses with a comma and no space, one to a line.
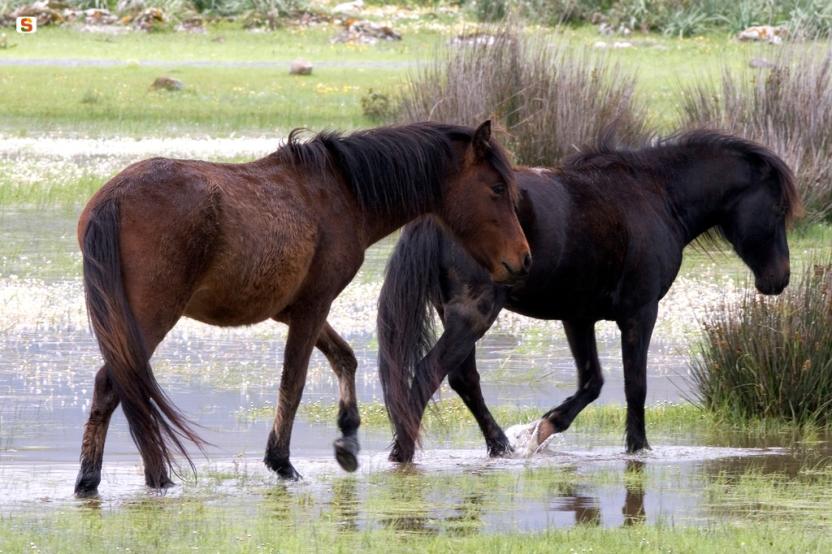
(104,402)
(304,328)
(343,362)
(636,332)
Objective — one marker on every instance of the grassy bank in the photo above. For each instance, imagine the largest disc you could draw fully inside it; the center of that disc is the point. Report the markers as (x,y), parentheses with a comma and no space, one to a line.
(222,99)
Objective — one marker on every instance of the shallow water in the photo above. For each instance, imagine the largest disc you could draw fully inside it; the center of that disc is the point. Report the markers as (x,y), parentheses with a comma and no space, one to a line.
(48,359)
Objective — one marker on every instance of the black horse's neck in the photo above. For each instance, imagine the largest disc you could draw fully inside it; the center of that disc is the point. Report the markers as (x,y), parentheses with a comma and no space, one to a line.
(701,187)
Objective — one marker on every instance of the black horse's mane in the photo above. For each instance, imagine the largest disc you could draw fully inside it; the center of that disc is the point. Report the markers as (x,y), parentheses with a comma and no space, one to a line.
(604,155)
(391,168)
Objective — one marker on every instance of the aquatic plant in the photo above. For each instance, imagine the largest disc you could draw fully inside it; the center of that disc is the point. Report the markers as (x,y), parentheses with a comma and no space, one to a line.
(771,357)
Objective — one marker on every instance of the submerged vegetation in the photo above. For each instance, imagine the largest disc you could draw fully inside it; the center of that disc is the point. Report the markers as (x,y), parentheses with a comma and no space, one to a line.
(771,357)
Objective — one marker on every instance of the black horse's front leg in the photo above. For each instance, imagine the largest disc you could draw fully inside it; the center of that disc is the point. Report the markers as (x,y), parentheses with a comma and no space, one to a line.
(582,344)
(465,381)
(636,332)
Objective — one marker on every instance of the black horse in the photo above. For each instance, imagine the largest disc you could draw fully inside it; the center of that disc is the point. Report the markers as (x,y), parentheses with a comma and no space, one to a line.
(607,229)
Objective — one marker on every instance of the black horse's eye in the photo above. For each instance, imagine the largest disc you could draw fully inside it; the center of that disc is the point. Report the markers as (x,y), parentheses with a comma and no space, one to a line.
(499,189)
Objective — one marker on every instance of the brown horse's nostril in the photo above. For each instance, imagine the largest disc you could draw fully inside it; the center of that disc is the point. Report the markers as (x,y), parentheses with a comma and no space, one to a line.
(527,262)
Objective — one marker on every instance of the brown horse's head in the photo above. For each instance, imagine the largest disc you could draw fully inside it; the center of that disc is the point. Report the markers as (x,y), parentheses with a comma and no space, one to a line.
(478,206)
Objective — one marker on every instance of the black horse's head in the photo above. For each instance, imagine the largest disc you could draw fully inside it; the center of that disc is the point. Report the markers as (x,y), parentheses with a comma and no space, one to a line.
(755,221)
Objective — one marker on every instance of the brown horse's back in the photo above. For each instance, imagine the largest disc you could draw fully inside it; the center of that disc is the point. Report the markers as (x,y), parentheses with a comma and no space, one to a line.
(222,243)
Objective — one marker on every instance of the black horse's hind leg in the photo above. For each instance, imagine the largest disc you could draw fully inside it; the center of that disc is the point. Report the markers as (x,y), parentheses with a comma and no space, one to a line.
(104,402)
(465,381)
(343,362)
(466,319)
(635,341)
(581,337)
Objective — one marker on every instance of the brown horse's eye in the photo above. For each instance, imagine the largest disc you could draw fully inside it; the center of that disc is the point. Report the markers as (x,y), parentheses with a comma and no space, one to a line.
(499,189)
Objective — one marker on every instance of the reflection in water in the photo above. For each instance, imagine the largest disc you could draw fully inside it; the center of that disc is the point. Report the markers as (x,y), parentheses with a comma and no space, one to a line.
(468,518)
(345,504)
(634,498)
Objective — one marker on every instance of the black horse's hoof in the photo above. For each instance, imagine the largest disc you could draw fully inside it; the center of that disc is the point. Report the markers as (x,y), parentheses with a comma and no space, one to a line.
(346,449)
(500,449)
(86,485)
(287,472)
(637,446)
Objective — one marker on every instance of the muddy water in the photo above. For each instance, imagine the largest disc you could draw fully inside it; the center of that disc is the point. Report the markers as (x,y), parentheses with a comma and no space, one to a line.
(48,359)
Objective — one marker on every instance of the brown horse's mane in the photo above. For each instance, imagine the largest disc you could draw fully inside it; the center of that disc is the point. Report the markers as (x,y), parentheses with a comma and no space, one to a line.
(390,168)
(655,157)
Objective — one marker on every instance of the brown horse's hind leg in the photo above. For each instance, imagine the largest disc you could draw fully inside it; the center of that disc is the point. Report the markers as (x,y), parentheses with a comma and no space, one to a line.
(343,362)
(104,402)
(304,328)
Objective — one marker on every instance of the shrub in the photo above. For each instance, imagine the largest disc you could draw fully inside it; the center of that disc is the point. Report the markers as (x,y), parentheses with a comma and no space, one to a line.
(788,107)
(771,357)
(547,98)
(376,106)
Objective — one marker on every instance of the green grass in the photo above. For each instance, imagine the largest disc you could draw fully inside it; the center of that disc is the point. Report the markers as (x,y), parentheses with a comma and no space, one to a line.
(450,419)
(216,100)
(222,100)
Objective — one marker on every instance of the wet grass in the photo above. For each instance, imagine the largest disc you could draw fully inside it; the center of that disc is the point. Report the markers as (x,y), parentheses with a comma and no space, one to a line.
(450,419)
(440,512)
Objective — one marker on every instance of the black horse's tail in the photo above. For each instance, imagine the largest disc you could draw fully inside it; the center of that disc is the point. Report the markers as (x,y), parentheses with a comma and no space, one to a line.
(405,319)
(156,425)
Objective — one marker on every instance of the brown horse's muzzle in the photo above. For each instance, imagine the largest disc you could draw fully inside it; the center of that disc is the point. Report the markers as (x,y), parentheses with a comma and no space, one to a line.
(510,273)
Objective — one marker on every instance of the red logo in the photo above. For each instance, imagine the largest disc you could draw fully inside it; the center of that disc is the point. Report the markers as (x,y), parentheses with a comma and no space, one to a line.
(27,24)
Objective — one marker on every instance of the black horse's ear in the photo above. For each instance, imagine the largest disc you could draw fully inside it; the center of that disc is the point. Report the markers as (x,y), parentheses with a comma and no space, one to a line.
(482,139)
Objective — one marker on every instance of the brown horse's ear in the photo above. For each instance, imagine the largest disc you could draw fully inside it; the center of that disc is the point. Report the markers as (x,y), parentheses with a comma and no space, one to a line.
(482,139)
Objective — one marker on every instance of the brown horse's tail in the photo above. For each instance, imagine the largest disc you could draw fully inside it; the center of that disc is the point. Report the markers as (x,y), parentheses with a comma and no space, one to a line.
(405,322)
(156,425)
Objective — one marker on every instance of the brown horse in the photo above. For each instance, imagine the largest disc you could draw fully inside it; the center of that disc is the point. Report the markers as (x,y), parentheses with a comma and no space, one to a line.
(277,238)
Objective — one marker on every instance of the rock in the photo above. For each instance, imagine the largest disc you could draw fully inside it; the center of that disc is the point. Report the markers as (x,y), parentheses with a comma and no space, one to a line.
(300,67)
(48,12)
(475,38)
(349,7)
(192,24)
(760,63)
(149,19)
(622,44)
(167,83)
(365,32)
(763,33)
(600,44)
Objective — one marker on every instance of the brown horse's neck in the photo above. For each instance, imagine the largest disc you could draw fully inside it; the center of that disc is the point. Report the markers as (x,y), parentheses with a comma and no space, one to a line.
(378,224)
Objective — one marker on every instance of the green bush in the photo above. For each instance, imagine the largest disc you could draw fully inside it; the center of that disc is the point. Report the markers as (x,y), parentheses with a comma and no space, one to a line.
(788,107)
(771,357)
(549,99)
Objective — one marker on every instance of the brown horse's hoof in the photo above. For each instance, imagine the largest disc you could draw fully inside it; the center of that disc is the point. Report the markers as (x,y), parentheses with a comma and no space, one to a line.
(160,482)
(86,485)
(399,455)
(346,449)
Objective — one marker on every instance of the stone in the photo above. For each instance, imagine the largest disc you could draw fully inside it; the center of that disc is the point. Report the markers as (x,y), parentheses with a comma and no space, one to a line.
(300,67)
